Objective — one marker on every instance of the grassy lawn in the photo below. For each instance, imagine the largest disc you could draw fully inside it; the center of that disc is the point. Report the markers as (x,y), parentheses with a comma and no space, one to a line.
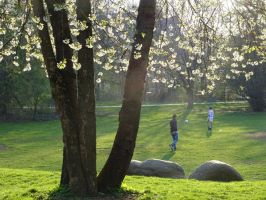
(23,185)
(34,149)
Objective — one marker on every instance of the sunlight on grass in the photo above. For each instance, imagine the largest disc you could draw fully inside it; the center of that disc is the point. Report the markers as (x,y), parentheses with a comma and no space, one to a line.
(30,184)
(37,146)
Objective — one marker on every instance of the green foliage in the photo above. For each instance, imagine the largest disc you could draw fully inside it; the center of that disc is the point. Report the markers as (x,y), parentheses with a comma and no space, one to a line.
(251,39)
(31,160)
(28,91)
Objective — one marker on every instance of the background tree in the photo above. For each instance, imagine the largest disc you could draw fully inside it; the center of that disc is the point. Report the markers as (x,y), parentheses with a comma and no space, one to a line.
(23,93)
(7,90)
(186,43)
(247,52)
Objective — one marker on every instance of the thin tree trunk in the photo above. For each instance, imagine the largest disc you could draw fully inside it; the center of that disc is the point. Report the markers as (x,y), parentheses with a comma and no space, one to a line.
(35,105)
(190,97)
(117,164)
(79,153)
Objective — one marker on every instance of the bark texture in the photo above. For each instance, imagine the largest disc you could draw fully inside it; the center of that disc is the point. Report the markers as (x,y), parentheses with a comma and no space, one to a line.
(71,90)
(119,159)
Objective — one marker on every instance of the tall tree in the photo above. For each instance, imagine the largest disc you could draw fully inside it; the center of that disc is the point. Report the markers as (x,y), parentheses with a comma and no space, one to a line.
(185,45)
(117,164)
(73,92)
(248,68)
(72,85)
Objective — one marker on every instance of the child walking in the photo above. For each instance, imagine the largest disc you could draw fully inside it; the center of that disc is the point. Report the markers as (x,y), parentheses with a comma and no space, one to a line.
(174,132)
(210,118)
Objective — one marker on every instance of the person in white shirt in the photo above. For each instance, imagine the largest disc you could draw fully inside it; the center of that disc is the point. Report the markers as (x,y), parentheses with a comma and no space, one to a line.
(210,118)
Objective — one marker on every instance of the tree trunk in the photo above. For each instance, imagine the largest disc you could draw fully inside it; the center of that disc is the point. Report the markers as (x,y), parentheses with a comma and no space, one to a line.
(255,88)
(3,111)
(117,164)
(73,97)
(86,98)
(35,106)
(190,97)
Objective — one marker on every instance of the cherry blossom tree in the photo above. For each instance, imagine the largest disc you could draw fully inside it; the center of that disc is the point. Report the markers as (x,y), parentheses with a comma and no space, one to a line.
(60,33)
(247,57)
(186,44)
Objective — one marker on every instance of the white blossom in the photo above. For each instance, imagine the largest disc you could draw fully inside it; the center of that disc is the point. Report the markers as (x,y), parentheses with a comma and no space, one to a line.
(75,45)
(61,64)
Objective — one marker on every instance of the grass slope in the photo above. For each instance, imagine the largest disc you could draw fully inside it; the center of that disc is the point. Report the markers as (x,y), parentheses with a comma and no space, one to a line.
(29,149)
(23,185)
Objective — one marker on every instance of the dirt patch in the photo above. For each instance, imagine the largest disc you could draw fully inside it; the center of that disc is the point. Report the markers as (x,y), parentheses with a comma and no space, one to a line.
(257,135)
(3,147)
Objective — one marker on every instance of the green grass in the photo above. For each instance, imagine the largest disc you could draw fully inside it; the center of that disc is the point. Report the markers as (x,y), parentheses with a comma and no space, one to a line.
(34,149)
(23,185)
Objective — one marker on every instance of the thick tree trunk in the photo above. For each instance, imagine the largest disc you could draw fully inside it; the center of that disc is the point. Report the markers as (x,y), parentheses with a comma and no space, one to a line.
(74,101)
(117,164)
(64,174)
(86,98)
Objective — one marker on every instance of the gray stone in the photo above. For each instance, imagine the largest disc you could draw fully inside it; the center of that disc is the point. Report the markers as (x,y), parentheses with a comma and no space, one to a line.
(215,170)
(155,167)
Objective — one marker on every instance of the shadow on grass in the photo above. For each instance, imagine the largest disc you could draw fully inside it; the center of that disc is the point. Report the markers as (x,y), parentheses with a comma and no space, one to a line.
(181,119)
(168,155)
(157,127)
(63,193)
(209,133)
(184,115)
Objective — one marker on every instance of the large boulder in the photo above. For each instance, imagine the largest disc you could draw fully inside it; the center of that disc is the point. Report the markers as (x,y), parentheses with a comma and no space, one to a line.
(155,167)
(215,170)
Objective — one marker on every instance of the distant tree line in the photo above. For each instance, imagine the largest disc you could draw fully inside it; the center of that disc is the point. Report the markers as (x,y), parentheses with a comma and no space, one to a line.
(24,95)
